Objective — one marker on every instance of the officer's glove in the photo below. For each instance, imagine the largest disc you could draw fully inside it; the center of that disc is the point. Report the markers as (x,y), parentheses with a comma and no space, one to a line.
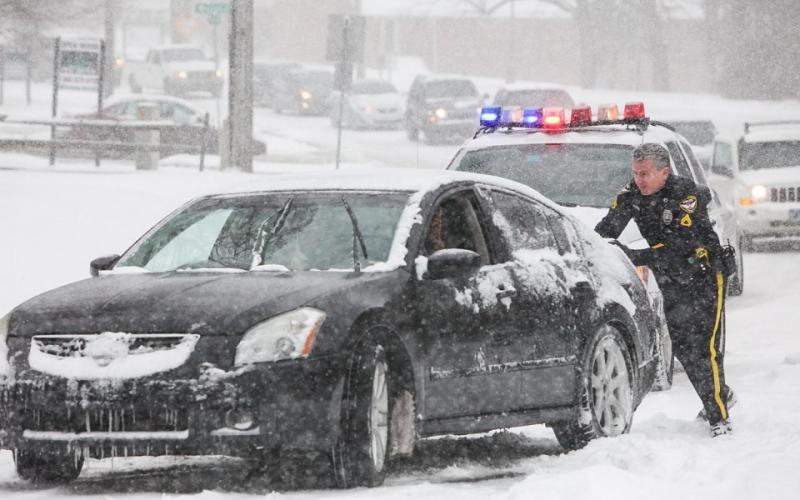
(727,261)
(638,257)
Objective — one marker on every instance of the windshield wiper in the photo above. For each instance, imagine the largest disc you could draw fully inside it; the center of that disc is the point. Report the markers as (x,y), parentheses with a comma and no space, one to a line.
(567,204)
(263,238)
(357,237)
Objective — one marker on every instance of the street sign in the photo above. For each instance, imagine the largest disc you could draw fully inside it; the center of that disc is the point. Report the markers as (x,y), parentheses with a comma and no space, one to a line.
(79,63)
(212,10)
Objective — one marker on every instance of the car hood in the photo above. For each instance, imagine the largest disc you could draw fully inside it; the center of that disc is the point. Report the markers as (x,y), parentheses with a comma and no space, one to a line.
(203,303)
(590,216)
(772,176)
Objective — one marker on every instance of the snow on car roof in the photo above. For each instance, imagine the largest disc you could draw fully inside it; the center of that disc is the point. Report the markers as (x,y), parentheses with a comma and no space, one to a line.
(603,134)
(773,132)
(118,98)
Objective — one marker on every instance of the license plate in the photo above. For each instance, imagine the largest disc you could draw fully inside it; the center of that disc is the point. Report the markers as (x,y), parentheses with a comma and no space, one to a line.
(794,215)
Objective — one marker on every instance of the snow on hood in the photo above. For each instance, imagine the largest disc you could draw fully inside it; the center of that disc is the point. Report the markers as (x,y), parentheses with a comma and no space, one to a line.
(772,176)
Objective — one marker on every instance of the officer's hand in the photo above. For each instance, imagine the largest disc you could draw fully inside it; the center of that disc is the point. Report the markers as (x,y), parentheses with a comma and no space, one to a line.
(622,247)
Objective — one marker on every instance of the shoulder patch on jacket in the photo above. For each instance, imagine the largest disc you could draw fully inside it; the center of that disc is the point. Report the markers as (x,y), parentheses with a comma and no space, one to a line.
(686,221)
(689,204)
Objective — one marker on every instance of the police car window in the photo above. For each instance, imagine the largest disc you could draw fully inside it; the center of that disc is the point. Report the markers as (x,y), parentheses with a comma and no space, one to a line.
(772,154)
(697,168)
(522,224)
(681,166)
(570,174)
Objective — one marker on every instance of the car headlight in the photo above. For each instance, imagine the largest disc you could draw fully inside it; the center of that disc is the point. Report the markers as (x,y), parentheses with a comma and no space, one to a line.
(288,336)
(755,194)
(183,75)
(440,113)
(5,367)
(305,94)
(220,74)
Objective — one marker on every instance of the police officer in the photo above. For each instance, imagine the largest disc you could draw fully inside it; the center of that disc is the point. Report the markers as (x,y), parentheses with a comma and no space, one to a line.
(686,257)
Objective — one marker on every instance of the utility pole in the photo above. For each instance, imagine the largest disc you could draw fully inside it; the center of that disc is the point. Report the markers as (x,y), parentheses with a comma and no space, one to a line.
(110,59)
(240,89)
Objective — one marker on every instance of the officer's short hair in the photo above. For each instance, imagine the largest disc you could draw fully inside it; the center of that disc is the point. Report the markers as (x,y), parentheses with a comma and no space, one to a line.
(651,151)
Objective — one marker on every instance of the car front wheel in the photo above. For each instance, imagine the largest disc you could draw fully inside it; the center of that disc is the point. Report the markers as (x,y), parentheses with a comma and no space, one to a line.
(606,392)
(360,455)
(45,465)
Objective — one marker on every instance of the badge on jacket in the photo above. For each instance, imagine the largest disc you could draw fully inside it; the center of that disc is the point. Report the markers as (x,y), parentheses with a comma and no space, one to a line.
(666,216)
(689,204)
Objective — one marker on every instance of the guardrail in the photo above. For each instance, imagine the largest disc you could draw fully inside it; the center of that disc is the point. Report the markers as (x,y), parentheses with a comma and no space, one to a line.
(151,144)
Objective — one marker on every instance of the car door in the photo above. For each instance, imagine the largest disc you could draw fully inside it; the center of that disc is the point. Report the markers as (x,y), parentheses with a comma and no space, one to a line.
(537,357)
(461,317)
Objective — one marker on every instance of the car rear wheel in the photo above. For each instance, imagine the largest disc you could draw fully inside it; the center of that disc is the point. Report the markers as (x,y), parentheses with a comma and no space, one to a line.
(606,397)
(360,455)
(48,465)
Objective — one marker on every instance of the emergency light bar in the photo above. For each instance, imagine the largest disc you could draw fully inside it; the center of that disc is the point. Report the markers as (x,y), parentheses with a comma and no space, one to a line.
(532,117)
(554,118)
(490,117)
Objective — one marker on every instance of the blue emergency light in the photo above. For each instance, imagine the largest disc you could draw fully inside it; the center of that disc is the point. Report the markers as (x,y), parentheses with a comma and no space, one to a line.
(532,117)
(490,116)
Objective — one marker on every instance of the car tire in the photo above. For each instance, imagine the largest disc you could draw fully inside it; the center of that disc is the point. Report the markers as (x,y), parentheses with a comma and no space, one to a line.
(360,455)
(47,465)
(606,392)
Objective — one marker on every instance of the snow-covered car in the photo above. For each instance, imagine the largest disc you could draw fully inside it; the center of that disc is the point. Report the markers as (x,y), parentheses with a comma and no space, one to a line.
(443,109)
(264,75)
(700,135)
(368,104)
(182,133)
(760,171)
(344,314)
(585,164)
(302,91)
(176,70)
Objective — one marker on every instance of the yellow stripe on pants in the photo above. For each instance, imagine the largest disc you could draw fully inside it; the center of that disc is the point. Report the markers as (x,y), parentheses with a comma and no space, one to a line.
(714,367)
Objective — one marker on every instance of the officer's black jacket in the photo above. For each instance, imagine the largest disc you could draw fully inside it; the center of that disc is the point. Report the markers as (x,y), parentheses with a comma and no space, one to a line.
(675,224)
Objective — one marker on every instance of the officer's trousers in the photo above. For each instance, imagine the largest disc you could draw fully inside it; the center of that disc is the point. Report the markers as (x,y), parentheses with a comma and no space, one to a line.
(695,315)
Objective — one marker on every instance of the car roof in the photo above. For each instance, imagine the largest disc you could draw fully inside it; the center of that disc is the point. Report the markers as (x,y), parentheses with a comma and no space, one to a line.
(597,134)
(419,181)
(118,98)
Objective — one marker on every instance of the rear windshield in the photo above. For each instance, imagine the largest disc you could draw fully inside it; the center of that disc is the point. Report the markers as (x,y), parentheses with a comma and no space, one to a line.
(570,174)
(450,88)
(534,98)
(697,133)
(758,155)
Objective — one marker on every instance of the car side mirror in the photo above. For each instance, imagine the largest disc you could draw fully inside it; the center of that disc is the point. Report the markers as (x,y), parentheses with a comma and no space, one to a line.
(452,263)
(723,170)
(102,264)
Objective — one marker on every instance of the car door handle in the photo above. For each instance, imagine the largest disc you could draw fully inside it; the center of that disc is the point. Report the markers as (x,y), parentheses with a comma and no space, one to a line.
(503,293)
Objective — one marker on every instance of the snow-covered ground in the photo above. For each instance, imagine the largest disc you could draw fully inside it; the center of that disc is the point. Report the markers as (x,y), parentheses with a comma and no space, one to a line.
(53,221)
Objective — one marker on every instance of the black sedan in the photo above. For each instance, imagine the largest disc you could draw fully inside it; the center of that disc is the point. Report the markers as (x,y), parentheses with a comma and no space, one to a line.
(343,315)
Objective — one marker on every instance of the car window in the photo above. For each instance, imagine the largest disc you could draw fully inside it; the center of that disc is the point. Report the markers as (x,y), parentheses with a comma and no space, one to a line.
(723,154)
(681,166)
(176,112)
(521,222)
(450,88)
(454,223)
(565,234)
(697,168)
(772,154)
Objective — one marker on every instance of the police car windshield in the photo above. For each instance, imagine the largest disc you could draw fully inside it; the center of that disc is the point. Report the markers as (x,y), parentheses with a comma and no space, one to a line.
(773,154)
(570,174)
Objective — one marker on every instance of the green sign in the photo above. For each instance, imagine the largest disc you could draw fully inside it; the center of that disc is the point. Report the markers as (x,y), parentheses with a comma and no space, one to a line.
(212,10)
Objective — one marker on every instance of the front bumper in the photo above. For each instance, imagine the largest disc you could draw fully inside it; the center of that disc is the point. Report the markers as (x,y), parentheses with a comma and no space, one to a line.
(295,404)
(768,219)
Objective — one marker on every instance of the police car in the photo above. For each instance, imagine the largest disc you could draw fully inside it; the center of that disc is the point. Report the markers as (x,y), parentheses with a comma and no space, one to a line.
(584,162)
(760,171)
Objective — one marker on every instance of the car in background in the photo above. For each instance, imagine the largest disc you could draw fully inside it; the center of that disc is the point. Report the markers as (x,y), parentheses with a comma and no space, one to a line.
(443,109)
(264,75)
(369,104)
(175,70)
(700,135)
(534,97)
(344,314)
(586,163)
(760,172)
(182,133)
(302,91)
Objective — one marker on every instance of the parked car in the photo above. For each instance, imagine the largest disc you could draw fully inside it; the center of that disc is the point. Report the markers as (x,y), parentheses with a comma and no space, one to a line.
(302,91)
(182,133)
(585,164)
(442,109)
(346,314)
(760,171)
(264,75)
(700,135)
(175,70)
(368,104)
(535,97)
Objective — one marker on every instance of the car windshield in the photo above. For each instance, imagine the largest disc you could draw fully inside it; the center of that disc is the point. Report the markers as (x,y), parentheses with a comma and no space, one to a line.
(315,80)
(175,55)
(373,88)
(772,154)
(571,174)
(298,231)
(534,98)
(698,133)
(450,88)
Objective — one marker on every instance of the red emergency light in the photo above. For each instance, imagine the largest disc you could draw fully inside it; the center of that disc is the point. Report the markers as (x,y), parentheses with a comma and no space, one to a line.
(633,111)
(581,115)
(553,118)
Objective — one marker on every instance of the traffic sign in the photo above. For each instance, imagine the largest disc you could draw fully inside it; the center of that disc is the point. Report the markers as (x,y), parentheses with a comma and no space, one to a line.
(212,10)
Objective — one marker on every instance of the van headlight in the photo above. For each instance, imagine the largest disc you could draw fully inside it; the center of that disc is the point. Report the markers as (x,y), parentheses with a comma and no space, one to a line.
(288,336)
(759,192)
(5,367)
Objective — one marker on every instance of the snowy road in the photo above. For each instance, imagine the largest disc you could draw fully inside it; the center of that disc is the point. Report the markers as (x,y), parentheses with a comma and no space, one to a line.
(53,223)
